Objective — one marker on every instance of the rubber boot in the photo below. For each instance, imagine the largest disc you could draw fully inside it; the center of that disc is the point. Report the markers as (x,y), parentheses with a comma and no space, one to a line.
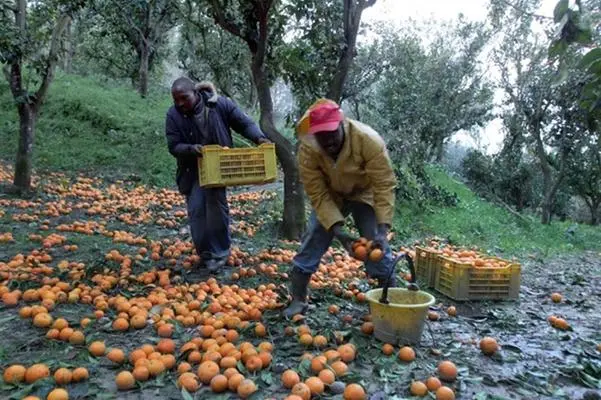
(215,265)
(298,286)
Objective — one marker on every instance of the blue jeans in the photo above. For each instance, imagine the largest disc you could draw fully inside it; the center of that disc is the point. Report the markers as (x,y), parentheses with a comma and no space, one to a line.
(209,219)
(317,240)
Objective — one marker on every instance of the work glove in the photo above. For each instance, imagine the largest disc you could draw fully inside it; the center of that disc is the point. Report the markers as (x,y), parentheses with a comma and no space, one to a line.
(381,239)
(343,237)
(197,149)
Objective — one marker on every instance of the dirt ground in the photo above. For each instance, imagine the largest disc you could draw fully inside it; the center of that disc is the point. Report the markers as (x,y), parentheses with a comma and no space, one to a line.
(536,361)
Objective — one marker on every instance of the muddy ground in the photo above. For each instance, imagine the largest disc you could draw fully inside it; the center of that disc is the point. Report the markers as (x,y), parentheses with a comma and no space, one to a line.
(536,361)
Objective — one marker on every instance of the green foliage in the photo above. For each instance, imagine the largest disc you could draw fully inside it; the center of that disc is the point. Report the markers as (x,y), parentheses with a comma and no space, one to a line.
(431,90)
(475,222)
(88,127)
(207,52)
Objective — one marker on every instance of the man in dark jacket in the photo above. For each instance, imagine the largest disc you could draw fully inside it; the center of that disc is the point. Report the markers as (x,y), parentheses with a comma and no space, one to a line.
(200,117)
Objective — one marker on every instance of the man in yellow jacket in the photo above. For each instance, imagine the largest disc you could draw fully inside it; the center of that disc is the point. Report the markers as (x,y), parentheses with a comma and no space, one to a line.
(345,169)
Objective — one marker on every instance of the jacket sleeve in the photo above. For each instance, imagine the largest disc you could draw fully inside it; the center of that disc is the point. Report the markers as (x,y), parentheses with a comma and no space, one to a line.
(378,167)
(174,140)
(242,123)
(317,189)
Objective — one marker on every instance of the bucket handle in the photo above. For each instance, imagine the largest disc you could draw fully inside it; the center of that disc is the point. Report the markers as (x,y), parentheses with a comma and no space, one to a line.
(412,285)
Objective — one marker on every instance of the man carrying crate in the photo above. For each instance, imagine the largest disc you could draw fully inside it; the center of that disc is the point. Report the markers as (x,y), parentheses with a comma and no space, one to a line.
(345,169)
(200,117)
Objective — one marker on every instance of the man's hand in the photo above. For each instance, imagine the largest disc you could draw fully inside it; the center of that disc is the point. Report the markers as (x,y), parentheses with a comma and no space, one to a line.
(263,140)
(197,148)
(343,237)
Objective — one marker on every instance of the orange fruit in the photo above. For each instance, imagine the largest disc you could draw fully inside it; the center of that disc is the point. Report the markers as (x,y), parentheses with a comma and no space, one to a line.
(138,321)
(183,367)
(188,381)
(347,352)
(339,367)
(387,349)
(406,354)
(166,346)
(561,324)
(65,334)
(121,324)
(58,394)
(234,381)
(418,389)
(136,355)
(80,374)
(260,330)
(444,393)
(77,338)
(320,341)
(306,339)
(148,349)
(265,358)
(360,253)
(60,324)
(333,309)
(116,355)
(433,316)
(354,392)
(433,383)
(228,362)
(315,385)
(327,376)
(97,349)
(219,383)
(42,320)
(165,331)
(452,311)
(207,370)
(156,367)
(318,363)
(125,380)
(301,390)
(556,297)
(293,397)
(63,376)
(367,328)
(36,372)
(141,373)
(254,363)
(447,371)
(290,378)
(246,388)
(376,255)
(489,346)
(14,374)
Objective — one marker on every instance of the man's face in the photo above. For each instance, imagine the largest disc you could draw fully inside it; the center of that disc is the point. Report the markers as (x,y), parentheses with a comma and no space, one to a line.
(331,142)
(184,100)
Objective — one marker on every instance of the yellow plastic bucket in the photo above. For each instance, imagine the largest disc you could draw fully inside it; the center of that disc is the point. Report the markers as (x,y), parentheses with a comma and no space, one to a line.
(402,320)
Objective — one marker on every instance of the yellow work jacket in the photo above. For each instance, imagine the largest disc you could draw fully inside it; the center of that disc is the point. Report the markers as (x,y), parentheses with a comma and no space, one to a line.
(363,172)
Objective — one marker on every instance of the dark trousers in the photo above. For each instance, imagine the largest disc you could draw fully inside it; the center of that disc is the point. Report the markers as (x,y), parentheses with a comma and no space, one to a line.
(209,219)
(317,240)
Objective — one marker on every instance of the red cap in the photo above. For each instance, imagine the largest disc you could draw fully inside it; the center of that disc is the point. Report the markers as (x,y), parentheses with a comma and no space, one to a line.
(325,118)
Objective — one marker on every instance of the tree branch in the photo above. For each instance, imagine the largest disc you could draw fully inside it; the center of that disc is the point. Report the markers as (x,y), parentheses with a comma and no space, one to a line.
(221,20)
(48,72)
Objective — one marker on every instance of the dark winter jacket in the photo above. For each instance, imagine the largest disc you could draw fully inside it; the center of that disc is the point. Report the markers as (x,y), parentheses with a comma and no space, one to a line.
(213,118)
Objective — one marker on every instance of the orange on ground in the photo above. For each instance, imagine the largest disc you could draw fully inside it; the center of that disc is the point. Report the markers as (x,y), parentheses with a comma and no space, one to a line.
(207,370)
(80,374)
(234,381)
(116,355)
(354,392)
(301,390)
(433,383)
(97,349)
(14,374)
(387,349)
(418,389)
(406,354)
(246,388)
(58,394)
(63,376)
(452,311)
(125,380)
(141,373)
(36,372)
(556,297)
(447,371)
(290,378)
(327,376)
(219,383)
(188,381)
(489,346)
(444,393)
(339,367)
(367,328)
(316,385)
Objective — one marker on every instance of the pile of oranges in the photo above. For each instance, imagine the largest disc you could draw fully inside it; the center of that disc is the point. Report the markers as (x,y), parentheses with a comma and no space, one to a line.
(364,249)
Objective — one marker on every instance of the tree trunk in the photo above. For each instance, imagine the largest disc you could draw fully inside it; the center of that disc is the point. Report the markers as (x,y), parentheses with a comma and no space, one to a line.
(69,49)
(23,164)
(293,223)
(143,71)
(593,207)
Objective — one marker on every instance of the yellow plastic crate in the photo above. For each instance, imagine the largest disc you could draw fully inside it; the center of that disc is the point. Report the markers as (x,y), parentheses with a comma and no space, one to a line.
(463,281)
(426,263)
(221,166)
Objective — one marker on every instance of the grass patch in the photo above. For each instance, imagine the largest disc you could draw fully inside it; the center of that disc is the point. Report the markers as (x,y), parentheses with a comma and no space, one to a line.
(475,221)
(86,126)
